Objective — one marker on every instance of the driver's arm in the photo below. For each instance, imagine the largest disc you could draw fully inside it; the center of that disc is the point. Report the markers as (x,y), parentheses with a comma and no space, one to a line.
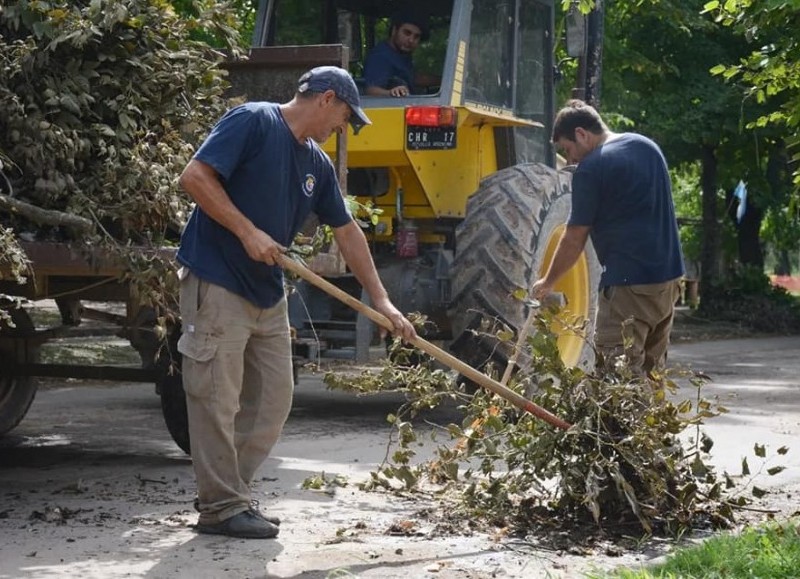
(397,91)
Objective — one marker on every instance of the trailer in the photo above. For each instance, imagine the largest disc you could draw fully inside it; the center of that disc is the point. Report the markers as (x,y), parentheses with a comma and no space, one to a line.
(76,276)
(80,280)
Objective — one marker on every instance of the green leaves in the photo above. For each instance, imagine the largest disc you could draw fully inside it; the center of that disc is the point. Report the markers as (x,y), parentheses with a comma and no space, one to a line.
(101,114)
(770,73)
(13,260)
(101,83)
(324,483)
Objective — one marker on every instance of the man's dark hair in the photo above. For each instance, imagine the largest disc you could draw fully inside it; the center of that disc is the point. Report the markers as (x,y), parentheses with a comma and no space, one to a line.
(411,16)
(577,114)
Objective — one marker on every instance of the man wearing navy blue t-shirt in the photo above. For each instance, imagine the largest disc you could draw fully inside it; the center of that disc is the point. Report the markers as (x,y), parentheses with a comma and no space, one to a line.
(389,70)
(622,198)
(255,179)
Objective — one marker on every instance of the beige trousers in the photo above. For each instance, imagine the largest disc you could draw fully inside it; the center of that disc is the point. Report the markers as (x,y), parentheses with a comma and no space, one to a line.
(641,315)
(237,374)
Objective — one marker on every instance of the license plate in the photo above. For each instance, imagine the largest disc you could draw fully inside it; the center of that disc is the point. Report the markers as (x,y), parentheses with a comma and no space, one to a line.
(421,138)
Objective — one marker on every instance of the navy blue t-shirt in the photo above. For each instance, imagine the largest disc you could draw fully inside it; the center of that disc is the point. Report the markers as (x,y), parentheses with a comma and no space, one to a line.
(384,62)
(276,182)
(622,191)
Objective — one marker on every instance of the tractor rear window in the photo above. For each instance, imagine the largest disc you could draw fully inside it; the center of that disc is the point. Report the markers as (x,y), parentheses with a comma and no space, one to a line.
(360,25)
(498,62)
(489,65)
(533,70)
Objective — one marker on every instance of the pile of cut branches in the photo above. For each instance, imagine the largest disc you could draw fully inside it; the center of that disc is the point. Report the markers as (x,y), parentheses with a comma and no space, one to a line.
(634,461)
(103,104)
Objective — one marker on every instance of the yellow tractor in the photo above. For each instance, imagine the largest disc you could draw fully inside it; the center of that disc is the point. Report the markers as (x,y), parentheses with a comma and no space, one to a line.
(462,169)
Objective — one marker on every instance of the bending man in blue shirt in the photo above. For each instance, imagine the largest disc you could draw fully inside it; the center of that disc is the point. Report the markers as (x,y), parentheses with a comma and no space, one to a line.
(622,197)
(255,179)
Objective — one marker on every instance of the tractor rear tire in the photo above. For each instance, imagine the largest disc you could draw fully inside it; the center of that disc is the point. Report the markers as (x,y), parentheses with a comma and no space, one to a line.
(506,241)
(16,392)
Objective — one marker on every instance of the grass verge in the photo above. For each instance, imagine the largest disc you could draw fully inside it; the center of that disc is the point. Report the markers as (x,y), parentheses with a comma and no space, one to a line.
(769,551)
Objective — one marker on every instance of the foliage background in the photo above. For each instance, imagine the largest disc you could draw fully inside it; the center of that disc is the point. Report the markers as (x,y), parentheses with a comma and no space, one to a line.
(103,103)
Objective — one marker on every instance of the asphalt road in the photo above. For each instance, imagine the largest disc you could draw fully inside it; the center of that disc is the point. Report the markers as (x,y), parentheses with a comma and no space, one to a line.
(91,484)
(758,381)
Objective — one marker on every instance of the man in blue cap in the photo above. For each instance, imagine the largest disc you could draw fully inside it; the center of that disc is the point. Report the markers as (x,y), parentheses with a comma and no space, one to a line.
(389,69)
(255,179)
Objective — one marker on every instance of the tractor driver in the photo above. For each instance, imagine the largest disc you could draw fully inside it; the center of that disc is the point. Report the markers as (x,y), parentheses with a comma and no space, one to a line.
(389,70)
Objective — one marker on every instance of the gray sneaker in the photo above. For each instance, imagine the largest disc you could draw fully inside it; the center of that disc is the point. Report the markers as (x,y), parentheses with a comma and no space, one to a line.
(253,507)
(245,525)
(257,512)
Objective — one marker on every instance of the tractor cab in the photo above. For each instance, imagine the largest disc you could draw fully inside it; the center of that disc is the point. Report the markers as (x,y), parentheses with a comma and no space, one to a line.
(491,61)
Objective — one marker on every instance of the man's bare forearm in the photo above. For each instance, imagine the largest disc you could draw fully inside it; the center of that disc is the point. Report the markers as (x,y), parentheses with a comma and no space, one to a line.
(355,250)
(397,91)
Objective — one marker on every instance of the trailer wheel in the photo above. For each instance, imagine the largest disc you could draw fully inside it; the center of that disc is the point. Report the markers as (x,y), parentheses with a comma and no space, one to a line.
(16,392)
(506,241)
(169,385)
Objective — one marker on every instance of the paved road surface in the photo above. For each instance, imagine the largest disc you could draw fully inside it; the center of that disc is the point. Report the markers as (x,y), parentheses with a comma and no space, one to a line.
(758,380)
(91,485)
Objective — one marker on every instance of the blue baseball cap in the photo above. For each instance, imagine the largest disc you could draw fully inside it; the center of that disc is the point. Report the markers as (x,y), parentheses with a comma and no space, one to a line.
(323,78)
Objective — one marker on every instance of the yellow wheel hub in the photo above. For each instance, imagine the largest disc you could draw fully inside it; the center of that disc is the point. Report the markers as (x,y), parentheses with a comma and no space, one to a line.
(577,293)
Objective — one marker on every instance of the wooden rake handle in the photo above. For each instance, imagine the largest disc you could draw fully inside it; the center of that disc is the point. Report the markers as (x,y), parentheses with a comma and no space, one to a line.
(433,351)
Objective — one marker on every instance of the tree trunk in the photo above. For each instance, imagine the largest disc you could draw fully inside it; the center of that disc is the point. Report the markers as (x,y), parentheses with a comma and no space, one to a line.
(784,265)
(45,216)
(780,183)
(709,255)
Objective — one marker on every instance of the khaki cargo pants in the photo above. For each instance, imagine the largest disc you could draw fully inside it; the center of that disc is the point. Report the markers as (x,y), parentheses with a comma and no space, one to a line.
(237,374)
(642,314)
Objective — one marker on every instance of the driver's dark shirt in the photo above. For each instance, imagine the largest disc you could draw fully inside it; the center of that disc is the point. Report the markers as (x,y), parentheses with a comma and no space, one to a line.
(384,64)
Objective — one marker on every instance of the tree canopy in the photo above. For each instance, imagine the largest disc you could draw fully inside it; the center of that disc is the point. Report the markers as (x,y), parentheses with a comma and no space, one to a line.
(659,78)
(770,73)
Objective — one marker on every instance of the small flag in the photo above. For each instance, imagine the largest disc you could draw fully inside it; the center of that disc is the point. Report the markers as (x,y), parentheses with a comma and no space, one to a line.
(741,194)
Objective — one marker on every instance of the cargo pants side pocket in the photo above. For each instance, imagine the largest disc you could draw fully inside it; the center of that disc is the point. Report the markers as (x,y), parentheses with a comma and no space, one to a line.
(197,347)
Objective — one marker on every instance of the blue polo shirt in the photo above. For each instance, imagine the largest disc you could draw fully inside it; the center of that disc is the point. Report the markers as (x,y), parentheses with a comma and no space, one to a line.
(622,191)
(384,62)
(272,179)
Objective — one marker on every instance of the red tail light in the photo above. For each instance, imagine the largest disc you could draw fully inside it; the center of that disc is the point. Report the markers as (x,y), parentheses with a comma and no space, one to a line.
(431,116)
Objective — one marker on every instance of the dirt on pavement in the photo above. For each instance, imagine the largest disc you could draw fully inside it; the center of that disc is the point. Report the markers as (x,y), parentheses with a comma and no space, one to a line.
(91,485)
